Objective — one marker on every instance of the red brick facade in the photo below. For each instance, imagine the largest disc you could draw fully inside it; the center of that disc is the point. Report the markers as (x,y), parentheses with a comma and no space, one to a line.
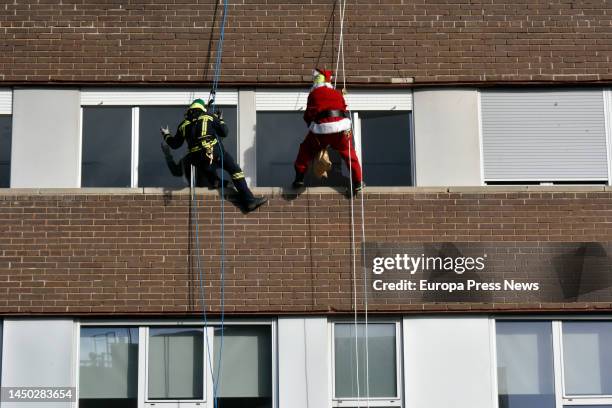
(279,42)
(129,253)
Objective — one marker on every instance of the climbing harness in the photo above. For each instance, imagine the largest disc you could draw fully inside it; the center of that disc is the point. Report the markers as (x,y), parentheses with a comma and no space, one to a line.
(340,67)
(209,154)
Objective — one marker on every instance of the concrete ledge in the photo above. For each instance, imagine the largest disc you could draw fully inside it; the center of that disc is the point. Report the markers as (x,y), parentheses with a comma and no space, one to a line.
(279,191)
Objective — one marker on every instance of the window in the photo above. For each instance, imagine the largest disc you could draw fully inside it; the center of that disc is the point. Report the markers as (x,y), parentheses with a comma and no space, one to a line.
(355,377)
(176,364)
(542,362)
(108,367)
(587,358)
(107,147)
(5,150)
(543,135)
(162,167)
(382,137)
(246,366)
(525,365)
(172,368)
(386,148)
(122,145)
(279,135)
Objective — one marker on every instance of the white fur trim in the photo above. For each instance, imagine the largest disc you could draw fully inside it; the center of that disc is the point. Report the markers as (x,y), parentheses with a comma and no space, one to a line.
(331,127)
(325,84)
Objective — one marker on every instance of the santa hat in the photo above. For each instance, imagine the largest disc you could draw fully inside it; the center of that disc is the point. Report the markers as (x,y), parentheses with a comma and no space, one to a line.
(326,73)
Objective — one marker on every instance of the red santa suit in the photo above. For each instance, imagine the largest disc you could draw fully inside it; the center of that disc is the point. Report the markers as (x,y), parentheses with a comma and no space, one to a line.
(329,125)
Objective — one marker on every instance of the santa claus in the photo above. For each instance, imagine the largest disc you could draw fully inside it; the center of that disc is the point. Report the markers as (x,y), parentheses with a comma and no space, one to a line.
(329,124)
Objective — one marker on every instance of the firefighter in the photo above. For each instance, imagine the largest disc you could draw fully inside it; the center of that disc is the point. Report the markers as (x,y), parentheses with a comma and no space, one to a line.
(329,125)
(203,130)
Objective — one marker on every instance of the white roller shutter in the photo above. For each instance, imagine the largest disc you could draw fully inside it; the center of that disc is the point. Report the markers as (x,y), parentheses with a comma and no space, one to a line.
(153,97)
(6,101)
(544,135)
(295,100)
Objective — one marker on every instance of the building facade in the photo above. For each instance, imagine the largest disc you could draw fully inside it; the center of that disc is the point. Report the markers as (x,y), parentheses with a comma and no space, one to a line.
(484,132)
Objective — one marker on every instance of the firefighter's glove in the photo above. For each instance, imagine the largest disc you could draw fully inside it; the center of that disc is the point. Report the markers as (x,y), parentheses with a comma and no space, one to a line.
(165,132)
(219,114)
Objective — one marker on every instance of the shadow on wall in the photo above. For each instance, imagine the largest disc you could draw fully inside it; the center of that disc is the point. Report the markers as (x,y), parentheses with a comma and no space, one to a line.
(583,272)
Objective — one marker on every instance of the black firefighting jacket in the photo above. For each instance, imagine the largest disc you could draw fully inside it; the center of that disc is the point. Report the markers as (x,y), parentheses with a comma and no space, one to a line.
(200,133)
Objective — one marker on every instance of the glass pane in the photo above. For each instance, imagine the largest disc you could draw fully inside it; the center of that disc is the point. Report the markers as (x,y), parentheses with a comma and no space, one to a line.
(587,406)
(6,124)
(587,358)
(525,365)
(381,357)
(107,147)
(108,367)
(246,366)
(386,149)
(279,135)
(176,363)
(159,169)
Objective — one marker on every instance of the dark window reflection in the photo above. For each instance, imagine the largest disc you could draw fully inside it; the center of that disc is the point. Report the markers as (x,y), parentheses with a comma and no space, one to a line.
(176,363)
(386,149)
(108,367)
(5,150)
(246,375)
(107,147)
(279,135)
(160,166)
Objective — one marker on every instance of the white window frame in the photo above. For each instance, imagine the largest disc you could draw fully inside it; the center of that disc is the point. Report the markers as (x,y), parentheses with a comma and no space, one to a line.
(561,397)
(182,402)
(375,401)
(136,98)
(143,346)
(284,100)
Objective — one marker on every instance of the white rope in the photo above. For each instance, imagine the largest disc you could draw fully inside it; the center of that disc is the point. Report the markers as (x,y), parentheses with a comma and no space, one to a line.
(340,62)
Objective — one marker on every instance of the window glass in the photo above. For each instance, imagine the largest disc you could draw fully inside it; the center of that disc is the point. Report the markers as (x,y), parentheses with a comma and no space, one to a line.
(386,149)
(587,358)
(525,365)
(246,366)
(5,150)
(107,147)
(382,360)
(279,135)
(176,362)
(163,167)
(108,367)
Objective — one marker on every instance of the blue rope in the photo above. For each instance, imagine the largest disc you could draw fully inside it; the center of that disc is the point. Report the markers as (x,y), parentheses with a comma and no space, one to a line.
(212,104)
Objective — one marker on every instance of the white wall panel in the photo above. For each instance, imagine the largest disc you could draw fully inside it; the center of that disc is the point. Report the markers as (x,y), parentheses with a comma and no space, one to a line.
(45,151)
(448,363)
(446,139)
(302,363)
(38,353)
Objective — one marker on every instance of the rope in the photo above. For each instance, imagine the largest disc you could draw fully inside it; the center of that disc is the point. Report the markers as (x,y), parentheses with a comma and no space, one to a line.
(216,78)
(340,63)
(195,220)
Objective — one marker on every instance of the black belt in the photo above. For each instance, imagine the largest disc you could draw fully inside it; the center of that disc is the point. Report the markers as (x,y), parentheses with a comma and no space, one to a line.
(331,114)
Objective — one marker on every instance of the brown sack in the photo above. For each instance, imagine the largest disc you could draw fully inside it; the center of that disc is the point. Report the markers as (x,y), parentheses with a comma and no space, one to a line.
(321,164)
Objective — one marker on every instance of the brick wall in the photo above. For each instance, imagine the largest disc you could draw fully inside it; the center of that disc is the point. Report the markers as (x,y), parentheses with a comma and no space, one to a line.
(275,41)
(132,253)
